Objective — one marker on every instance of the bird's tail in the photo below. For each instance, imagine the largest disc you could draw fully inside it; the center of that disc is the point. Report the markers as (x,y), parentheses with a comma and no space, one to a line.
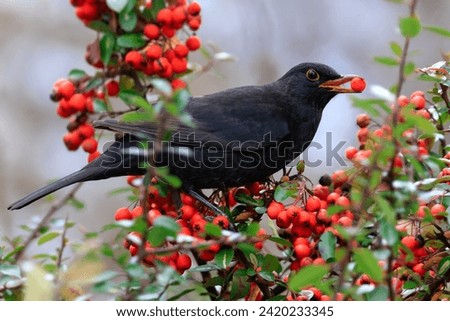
(82,175)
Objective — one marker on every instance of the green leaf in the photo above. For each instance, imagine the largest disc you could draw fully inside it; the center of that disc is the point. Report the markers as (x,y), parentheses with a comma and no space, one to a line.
(307,276)
(163,227)
(10,270)
(224,257)
(130,97)
(76,204)
(388,61)
(136,116)
(97,25)
(368,264)
(164,174)
(416,121)
(107,43)
(133,41)
(410,27)
(93,83)
(157,5)
(48,237)
(271,264)
(266,275)
(388,233)
(438,30)
(381,293)
(285,190)
(248,200)
(280,241)
(327,246)
(252,229)
(100,106)
(168,224)
(76,74)
(116,5)
(396,49)
(385,209)
(247,248)
(205,268)
(410,67)
(127,20)
(213,230)
(163,86)
(239,287)
(444,266)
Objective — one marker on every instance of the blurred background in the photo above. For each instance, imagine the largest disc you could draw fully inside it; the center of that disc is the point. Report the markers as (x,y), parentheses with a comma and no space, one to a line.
(41,40)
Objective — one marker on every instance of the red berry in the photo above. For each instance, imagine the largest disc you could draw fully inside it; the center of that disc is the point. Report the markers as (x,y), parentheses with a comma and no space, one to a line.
(437,211)
(194,23)
(63,109)
(168,31)
(164,16)
(193,43)
(313,204)
(112,88)
(358,84)
(187,211)
(193,8)
(363,120)
(345,221)
(221,221)
(137,211)
(152,215)
(339,177)
(93,156)
(179,65)
(123,213)
(343,201)
(178,16)
(418,101)
(274,209)
(77,102)
(89,145)
(410,242)
(86,130)
(283,220)
(66,89)
(302,250)
(151,31)
(135,59)
(423,113)
(402,101)
(181,50)
(187,199)
(153,52)
(178,84)
(183,262)
(363,135)
(417,93)
(350,152)
(72,140)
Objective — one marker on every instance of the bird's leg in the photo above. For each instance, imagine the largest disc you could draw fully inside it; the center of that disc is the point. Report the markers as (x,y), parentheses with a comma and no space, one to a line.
(202,199)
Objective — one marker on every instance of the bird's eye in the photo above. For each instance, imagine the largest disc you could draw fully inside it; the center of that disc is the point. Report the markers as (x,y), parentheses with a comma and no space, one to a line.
(312,75)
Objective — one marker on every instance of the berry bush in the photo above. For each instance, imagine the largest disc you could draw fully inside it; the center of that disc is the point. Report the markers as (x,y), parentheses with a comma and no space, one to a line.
(378,230)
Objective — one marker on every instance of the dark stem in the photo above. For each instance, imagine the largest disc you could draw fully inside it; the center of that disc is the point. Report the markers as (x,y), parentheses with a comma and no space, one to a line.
(52,211)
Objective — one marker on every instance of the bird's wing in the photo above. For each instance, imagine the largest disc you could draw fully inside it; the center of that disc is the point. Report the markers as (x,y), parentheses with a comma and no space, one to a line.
(246,115)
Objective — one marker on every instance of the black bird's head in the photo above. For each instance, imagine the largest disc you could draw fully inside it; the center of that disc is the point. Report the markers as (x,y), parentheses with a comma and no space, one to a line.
(315,84)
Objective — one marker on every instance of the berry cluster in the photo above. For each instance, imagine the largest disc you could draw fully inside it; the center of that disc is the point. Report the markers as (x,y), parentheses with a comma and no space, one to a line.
(159,53)
(191,218)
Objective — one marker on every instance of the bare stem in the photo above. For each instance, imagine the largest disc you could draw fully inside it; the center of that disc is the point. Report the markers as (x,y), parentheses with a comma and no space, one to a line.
(52,211)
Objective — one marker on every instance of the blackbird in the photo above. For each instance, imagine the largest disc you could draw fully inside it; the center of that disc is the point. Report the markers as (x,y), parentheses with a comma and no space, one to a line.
(240,135)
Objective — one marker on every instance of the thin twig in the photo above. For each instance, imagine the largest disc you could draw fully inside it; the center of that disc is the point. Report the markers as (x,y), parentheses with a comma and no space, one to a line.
(63,244)
(52,211)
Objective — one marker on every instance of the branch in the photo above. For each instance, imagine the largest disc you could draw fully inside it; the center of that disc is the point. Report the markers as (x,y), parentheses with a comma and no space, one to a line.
(52,211)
